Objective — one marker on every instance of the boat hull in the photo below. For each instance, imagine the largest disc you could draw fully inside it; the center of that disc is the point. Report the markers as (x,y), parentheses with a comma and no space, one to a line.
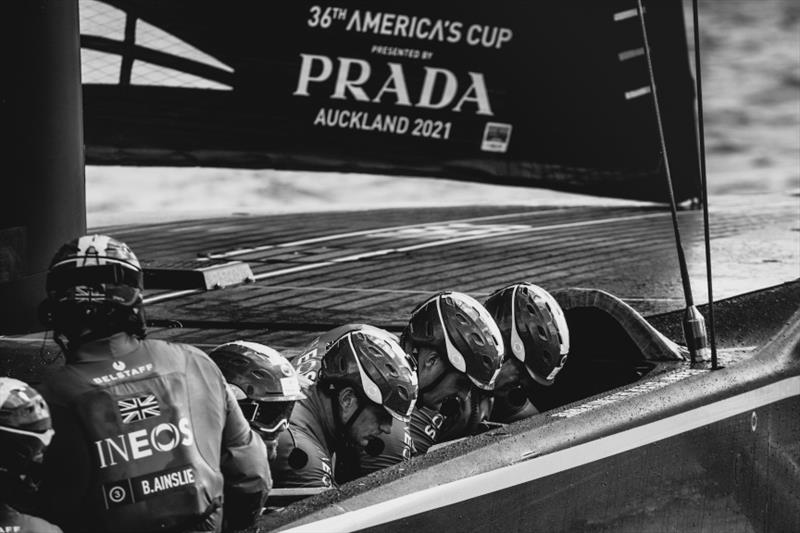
(687,450)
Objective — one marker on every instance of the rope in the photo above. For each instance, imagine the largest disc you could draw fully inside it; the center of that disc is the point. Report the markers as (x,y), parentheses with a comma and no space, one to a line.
(693,323)
(700,132)
(687,288)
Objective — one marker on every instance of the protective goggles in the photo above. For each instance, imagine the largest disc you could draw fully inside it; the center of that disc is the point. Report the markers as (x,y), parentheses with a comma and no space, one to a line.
(44,437)
(112,273)
(267,418)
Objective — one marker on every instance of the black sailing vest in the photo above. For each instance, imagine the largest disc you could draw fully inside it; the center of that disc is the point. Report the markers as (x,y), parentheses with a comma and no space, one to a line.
(149,473)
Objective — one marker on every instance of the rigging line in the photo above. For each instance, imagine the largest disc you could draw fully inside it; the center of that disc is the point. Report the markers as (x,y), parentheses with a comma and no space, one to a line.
(694,328)
(693,324)
(700,133)
(687,288)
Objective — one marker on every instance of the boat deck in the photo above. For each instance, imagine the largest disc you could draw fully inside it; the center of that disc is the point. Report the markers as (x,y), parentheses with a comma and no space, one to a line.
(311,272)
(315,271)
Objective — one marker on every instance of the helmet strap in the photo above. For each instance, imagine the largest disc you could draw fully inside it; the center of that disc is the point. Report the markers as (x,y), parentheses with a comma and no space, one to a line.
(354,416)
(342,427)
(430,386)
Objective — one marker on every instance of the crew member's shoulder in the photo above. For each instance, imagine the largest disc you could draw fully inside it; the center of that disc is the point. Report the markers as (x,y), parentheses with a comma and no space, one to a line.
(161,344)
(191,352)
(425,415)
(302,460)
(172,352)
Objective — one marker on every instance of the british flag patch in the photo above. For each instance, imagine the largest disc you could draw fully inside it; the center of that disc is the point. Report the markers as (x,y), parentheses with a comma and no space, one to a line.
(138,408)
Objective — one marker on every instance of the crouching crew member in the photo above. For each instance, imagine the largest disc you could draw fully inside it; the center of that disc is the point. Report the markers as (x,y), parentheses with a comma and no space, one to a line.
(458,351)
(264,383)
(358,380)
(536,337)
(148,435)
(25,433)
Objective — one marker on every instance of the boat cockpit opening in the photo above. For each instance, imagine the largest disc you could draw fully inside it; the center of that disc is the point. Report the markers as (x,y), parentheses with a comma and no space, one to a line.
(611,345)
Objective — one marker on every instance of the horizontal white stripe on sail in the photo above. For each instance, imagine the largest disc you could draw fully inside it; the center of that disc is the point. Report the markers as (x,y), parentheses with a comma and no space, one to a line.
(636,93)
(630,54)
(624,15)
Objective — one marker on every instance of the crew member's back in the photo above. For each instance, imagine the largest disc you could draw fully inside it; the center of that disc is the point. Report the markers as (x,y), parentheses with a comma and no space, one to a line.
(147,432)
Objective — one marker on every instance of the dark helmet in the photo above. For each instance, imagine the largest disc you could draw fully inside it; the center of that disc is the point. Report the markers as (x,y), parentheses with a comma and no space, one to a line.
(370,360)
(263,382)
(455,324)
(533,327)
(25,433)
(94,282)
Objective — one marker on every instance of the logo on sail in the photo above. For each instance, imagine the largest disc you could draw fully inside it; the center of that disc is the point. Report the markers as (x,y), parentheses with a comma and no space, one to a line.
(496,136)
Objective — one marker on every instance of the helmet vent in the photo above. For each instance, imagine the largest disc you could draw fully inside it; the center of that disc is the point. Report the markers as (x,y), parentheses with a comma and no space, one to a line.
(542,332)
(532,310)
(402,392)
(250,390)
(477,339)
(260,374)
(374,351)
(392,370)
(238,361)
(488,362)
(428,329)
(462,319)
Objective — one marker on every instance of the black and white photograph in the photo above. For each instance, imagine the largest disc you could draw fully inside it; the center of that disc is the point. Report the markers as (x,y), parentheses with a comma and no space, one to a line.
(333,266)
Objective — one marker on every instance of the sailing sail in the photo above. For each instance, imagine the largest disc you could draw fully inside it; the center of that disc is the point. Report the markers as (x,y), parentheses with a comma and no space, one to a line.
(541,94)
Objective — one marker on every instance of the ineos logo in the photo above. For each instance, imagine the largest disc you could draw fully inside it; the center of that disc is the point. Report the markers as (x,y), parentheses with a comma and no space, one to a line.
(142,443)
(173,436)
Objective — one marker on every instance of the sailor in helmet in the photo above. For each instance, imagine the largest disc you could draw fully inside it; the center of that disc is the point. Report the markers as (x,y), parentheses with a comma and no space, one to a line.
(458,351)
(148,435)
(536,336)
(25,434)
(357,380)
(264,383)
